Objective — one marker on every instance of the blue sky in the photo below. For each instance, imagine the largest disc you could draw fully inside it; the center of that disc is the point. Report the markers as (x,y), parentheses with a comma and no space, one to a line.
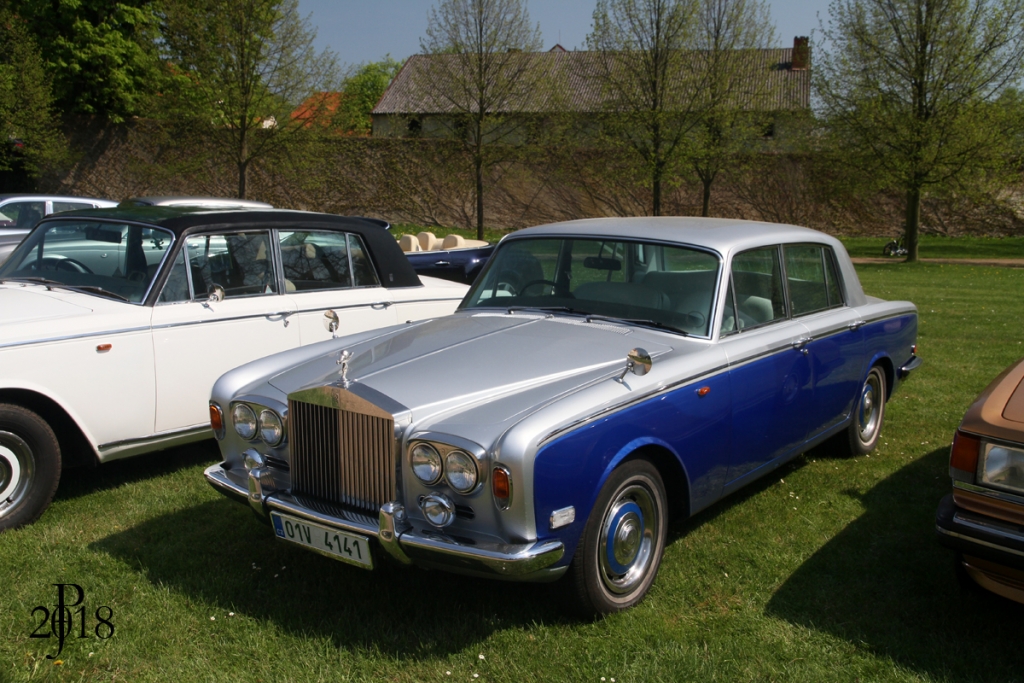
(361,31)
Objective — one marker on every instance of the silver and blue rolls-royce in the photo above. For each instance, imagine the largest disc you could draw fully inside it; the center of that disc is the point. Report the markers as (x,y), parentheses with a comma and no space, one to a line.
(599,377)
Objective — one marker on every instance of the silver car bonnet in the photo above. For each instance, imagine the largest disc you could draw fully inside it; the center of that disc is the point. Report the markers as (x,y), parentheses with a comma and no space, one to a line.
(469,360)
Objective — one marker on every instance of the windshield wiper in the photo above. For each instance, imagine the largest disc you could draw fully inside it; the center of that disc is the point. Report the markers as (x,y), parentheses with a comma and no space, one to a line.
(639,321)
(50,284)
(546,309)
(97,290)
(34,280)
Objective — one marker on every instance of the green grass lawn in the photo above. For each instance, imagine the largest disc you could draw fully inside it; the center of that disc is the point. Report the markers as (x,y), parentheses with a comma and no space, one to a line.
(827,570)
(932,246)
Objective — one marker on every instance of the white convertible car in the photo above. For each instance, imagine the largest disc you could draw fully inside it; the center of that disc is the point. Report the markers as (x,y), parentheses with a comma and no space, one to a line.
(115,323)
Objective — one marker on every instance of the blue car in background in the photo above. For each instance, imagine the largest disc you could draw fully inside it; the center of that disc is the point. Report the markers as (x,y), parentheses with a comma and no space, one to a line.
(450,258)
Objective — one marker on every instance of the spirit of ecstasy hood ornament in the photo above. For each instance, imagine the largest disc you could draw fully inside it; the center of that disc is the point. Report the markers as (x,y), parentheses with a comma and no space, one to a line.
(343,362)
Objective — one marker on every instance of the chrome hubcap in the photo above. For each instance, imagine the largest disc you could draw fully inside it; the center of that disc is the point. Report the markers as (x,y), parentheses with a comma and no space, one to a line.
(627,539)
(868,413)
(16,470)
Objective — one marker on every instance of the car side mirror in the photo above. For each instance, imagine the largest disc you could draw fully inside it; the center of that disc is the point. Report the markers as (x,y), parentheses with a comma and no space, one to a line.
(331,322)
(638,361)
(215,294)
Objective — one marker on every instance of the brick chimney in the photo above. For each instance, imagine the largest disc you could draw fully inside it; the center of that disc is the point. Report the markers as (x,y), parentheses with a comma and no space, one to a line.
(801,54)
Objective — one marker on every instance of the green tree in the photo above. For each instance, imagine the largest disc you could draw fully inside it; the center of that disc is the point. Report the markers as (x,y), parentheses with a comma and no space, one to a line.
(240,69)
(29,134)
(100,54)
(361,90)
(479,70)
(907,89)
(648,82)
(733,106)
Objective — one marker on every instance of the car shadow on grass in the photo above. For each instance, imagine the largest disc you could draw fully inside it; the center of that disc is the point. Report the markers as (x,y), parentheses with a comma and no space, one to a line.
(885,585)
(220,555)
(76,482)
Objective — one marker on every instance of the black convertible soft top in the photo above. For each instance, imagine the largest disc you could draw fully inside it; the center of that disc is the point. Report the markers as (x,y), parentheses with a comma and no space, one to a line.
(389,260)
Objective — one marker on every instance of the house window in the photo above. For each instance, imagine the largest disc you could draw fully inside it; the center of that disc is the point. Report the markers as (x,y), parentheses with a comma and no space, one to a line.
(415,128)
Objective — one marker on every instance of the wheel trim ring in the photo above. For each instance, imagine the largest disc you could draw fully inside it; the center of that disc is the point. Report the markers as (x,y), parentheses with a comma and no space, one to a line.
(18,470)
(620,583)
(868,411)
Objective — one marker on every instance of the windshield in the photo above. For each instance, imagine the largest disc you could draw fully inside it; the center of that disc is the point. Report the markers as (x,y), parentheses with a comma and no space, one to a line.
(656,284)
(105,258)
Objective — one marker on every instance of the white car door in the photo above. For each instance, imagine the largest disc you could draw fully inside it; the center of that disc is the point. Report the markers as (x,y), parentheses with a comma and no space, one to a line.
(196,340)
(330,270)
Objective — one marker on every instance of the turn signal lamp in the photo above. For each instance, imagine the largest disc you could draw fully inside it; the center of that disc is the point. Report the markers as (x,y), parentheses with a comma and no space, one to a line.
(217,420)
(964,453)
(501,487)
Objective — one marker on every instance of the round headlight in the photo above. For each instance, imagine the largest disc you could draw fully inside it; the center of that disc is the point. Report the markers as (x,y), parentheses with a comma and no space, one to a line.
(244,420)
(426,463)
(271,428)
(460,471)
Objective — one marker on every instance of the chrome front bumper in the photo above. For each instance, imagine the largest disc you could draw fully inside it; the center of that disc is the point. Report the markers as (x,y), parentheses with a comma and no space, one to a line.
(397,537)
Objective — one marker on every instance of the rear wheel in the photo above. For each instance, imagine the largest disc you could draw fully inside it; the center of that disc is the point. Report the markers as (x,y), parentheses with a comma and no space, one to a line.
(29,466)
(868,415)
(622,544)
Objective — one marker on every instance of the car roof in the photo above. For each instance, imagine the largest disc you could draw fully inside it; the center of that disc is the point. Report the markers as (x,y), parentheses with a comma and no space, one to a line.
(392,265)
(219,202)
(721,234)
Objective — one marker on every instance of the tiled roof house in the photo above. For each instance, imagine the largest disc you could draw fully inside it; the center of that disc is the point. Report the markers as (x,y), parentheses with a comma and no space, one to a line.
(417,102)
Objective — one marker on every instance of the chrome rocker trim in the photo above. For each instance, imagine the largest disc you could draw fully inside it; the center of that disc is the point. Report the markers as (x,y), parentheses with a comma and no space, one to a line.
(396,537)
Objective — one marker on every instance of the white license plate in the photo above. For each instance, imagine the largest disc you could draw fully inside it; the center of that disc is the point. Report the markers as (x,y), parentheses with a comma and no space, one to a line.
(342,545)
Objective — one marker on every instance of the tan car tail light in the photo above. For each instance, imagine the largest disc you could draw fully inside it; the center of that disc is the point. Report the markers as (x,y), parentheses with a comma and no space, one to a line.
(964,453)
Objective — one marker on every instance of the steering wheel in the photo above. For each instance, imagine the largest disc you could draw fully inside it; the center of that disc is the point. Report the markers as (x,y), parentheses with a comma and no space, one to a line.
(695,319)
(55,263)
(531,283)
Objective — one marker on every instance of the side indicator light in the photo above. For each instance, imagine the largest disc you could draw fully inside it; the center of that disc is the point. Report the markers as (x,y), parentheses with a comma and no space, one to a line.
(704,391)
(217,420)
(103,348)
(964,453)
(501,487)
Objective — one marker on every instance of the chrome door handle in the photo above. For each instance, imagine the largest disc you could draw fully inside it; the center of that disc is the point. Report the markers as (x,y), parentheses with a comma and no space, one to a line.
(856,324)
(442,263)
(801,343)
(381,305)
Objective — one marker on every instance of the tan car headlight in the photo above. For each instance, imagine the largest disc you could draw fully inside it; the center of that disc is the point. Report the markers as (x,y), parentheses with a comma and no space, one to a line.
(244,420)
(1003,467)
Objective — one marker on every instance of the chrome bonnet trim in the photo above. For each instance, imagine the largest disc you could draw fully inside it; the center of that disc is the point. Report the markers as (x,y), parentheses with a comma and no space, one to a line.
(71,337)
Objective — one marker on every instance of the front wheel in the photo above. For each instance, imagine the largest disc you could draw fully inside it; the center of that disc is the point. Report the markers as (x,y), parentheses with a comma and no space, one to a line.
(868,415)
(620,551)
(29,466)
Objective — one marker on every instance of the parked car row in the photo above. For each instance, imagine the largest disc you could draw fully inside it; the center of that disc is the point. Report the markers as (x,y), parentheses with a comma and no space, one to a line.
(366,411)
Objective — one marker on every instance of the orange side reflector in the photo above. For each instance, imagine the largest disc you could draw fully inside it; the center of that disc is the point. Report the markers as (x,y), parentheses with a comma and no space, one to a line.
(500,485)
(704,391)
(216,418)
(103,348)
(965,451)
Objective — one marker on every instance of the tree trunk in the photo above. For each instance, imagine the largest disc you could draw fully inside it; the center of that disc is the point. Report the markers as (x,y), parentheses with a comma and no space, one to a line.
(705,208)
(243,167)
(479,196)
(913,222)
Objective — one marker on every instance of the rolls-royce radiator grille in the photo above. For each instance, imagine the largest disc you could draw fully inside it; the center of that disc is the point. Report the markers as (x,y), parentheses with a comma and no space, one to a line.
(341,456)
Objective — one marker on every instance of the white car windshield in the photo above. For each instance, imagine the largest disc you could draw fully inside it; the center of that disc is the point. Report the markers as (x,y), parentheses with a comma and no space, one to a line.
(117,260)
(647,283)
